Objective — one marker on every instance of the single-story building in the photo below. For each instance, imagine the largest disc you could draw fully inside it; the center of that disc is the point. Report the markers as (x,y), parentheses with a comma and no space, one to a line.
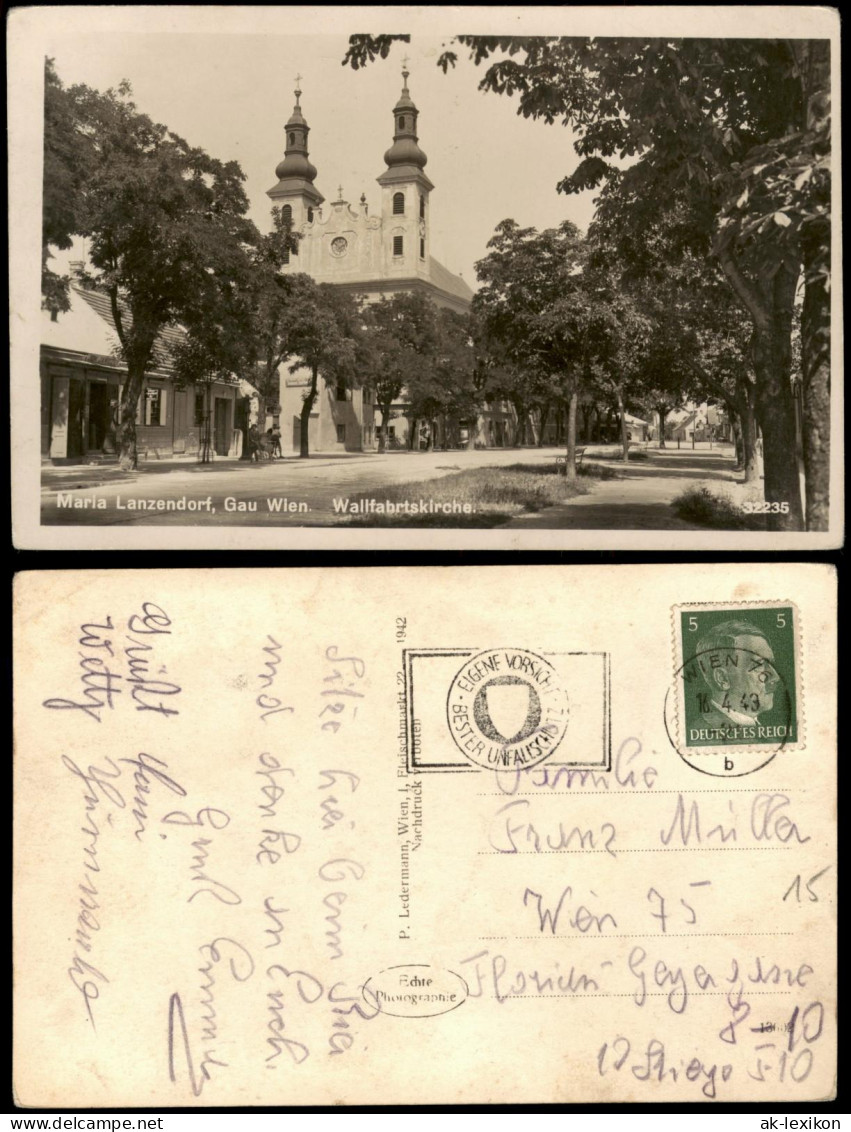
(82,380)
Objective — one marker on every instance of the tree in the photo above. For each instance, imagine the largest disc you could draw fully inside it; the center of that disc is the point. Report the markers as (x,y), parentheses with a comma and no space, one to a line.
(320,326)
(166,225)
(204,360)
(267,337)
(623,335)
(66,154)
(700,334)
(401,340)
(692,114)
(778,208)
(536,311)
(443,392)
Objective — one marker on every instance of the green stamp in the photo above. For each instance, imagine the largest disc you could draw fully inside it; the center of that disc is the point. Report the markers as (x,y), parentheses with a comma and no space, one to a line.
(736,698)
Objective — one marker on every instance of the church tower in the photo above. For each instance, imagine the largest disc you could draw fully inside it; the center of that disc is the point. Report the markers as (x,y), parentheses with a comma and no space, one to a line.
(295,190)
(405,195)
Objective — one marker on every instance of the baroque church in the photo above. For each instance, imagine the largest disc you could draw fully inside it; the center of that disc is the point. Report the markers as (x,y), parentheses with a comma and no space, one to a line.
(367,254)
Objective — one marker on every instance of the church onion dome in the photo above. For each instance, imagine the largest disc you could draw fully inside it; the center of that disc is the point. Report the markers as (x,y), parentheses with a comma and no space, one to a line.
(296,165)
(405,150)
(295,162)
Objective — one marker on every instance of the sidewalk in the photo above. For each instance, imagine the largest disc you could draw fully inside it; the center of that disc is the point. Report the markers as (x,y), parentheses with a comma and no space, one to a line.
(641,497)
(78,476)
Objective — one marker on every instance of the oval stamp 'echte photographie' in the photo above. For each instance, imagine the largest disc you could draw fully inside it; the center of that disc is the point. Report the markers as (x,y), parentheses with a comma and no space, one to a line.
(736,698)
(415,990)
(507,708)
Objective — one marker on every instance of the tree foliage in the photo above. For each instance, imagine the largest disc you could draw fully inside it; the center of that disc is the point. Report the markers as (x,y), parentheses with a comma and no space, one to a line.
(165,224)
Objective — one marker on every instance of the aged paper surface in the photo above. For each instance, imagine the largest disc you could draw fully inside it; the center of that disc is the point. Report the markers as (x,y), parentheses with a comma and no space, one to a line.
(425,835)
(222,78)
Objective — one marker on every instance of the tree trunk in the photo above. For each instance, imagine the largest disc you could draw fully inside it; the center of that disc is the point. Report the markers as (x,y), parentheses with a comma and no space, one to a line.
(775,405)
(815,363)
(570,467)
(128,456)
(592,421)
(412,432)
(545,416)
(662,410)
(770,303)
(747,423)
(738,439)
(520,434)
(815,317)
(306,409)
(385,422)
(624,437)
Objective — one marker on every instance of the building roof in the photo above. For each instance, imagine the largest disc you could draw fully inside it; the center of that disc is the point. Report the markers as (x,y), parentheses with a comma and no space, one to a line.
(88,328)
(80,329)
(167,339)
(443,278)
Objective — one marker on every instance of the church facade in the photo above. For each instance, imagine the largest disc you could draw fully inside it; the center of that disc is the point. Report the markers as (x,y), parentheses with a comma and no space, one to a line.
(368,254)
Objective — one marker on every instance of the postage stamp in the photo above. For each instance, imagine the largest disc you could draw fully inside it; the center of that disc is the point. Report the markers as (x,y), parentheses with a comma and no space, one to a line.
(505,708)
(736,700)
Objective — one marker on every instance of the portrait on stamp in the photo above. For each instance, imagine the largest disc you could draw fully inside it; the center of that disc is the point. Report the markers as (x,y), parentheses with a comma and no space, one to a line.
(738,677)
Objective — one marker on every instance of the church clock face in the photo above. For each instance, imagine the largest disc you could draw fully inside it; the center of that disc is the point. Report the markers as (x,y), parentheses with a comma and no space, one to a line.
(339,246)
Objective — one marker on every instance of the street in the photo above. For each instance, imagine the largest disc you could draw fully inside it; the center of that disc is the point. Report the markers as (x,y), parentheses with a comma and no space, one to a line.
(296,492)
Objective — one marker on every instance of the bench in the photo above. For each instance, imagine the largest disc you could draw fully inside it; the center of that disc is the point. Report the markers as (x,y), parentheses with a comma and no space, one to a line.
(561,461)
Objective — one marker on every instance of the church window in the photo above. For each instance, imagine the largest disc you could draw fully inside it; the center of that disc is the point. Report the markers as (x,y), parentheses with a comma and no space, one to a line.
(422,248)
(286,256)
(401,121)
(398,204)
(422,207)
(292,138)
(287,213)
(341,391)
(398,246)
(310,216)
(341,434)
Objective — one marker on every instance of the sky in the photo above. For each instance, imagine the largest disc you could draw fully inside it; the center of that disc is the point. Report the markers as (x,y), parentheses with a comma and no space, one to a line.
(223,78)
(231,93)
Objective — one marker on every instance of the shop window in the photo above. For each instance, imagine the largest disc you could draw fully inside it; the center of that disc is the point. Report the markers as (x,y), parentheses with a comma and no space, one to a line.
(199,410)
(154,406)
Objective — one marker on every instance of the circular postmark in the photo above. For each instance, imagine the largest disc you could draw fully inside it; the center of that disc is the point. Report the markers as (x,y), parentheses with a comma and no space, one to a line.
(507,708)
(729,711)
